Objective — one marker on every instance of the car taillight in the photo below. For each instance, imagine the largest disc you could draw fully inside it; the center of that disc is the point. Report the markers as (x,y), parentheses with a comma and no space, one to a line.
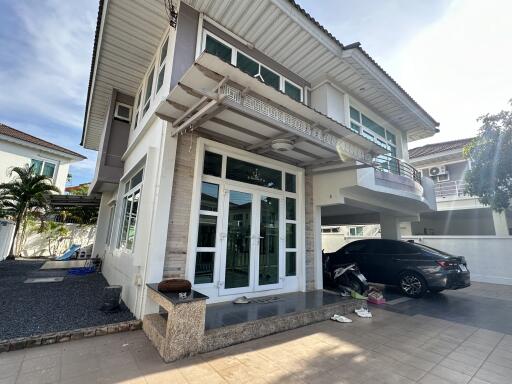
(447,264)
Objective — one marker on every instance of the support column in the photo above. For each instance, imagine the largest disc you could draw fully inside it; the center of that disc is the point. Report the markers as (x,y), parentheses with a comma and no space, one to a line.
(406,228)
(500,223)
(389,227)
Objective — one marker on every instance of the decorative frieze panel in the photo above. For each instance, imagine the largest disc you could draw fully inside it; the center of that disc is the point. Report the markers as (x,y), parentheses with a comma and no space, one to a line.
(343,147)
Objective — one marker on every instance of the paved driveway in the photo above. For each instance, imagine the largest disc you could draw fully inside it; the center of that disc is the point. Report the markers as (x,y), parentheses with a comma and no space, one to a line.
(482,305)
(390,348)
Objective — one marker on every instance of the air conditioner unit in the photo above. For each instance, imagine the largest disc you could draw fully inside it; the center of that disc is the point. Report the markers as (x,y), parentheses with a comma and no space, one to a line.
(123,112)
(436,171)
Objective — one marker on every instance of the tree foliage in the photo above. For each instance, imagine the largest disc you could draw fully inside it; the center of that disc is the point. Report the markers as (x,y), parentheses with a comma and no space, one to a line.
(28,193)
(490,154)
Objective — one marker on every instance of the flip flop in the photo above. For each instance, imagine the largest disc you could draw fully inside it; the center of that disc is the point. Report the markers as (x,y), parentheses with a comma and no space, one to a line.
(242,300)
(341,319)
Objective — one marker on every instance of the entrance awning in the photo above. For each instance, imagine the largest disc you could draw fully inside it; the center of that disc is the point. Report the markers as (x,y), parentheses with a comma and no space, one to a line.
(227,104)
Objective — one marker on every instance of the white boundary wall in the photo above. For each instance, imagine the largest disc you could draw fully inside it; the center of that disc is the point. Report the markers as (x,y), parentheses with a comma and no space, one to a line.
(6,234)
(489,258)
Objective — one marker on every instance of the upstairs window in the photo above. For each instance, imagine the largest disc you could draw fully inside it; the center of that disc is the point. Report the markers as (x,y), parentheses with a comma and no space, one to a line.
(149,90)
(139,97)
(161,71)
(43,167)
(215,47)
(231,55)
(293,91)
(366,127)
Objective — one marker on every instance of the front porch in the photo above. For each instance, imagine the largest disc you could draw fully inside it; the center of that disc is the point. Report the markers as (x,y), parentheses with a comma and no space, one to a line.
(185,326)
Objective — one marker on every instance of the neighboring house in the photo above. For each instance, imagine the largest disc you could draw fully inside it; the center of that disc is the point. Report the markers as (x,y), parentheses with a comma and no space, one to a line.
(457,213)
(335,237)
(226,141)
(18,149)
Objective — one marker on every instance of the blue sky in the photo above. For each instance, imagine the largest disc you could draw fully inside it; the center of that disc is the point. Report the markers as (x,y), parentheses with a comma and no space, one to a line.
(452,56)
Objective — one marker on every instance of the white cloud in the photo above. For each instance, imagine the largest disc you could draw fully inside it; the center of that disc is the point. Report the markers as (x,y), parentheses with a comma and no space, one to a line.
(46,67)
(460,67)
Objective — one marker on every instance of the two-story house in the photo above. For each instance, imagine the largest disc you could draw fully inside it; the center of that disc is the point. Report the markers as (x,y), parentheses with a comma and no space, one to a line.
(18,149)
(228,133)
(457,212)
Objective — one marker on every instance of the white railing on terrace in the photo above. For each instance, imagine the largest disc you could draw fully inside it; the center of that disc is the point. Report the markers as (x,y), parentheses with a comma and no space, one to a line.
(450,188)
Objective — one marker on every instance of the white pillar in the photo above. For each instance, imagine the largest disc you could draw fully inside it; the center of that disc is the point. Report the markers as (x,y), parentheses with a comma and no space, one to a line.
(500,223)
(317,233)
(389,227)
(406,228)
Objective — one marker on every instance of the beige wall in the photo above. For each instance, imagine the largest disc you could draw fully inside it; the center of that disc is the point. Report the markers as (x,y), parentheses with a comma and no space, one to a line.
(36,244)
(179,215)
(310,232)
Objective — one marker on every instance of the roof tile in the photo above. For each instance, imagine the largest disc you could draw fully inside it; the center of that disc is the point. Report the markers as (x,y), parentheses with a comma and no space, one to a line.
(14,133)
(432,149)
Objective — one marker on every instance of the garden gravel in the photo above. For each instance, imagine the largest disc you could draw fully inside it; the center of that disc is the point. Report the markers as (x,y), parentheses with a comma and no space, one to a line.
(39,308)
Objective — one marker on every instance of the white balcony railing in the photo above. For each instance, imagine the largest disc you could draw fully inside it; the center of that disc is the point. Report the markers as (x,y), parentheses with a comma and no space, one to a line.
(450,188)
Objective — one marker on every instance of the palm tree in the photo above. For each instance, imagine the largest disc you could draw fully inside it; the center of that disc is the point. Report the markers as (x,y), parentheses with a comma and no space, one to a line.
(27,193)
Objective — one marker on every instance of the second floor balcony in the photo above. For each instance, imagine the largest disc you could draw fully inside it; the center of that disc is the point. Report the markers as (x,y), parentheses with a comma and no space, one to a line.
(450,189)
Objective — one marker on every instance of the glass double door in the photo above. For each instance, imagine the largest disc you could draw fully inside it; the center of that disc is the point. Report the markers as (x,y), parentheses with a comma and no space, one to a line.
(252,251)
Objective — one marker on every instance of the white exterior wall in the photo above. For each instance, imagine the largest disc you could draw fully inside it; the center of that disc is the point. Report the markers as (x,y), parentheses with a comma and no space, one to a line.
(489,258)
(154,151)
(17,155)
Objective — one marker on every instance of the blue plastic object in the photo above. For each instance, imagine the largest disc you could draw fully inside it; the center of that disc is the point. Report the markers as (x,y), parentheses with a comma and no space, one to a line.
(81,271)
(69,252)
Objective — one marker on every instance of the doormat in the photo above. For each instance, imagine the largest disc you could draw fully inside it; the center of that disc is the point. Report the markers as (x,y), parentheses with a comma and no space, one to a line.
(266,300)
(43,280)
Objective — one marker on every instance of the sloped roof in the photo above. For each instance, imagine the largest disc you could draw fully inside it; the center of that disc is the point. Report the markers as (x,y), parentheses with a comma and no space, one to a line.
(14,133)
(432,149)
(353,46)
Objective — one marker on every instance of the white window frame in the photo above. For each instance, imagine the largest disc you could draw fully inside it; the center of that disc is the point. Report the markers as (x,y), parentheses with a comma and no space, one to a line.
(355,228)
(137,109)
(292,283)
(234,60)
(162,62)
(111,221)
(152,68)
(43,162)
(130,192)
(368,132)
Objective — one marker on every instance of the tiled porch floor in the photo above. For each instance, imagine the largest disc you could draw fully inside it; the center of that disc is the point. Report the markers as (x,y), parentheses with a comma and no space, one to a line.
(390,348)
(224,314)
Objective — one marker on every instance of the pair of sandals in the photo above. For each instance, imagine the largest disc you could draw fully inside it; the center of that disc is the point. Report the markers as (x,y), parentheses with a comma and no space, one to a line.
(341,319)
(363,312)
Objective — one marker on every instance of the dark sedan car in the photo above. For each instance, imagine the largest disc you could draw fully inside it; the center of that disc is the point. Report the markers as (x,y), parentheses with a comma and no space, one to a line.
(414,267)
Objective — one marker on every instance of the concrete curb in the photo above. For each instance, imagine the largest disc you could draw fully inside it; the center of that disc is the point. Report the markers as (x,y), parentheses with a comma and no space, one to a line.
(64,336)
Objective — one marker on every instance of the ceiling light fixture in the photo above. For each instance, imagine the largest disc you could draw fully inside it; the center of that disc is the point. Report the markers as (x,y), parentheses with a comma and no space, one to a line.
(282,145)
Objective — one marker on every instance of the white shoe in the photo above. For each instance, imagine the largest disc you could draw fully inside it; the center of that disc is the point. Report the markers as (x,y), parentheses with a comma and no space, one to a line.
(341,319)
(363,312)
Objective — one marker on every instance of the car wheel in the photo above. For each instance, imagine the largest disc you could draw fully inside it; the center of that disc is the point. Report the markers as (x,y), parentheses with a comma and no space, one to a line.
(412,284)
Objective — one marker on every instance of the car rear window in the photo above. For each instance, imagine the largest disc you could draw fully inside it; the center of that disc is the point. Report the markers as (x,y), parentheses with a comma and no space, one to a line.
(426,248)
(356,247)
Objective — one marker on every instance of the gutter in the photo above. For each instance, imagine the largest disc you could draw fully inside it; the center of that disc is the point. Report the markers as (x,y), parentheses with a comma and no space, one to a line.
(93,62)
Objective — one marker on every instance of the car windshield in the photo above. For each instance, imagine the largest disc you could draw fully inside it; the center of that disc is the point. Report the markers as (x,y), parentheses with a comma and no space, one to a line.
(431,250)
